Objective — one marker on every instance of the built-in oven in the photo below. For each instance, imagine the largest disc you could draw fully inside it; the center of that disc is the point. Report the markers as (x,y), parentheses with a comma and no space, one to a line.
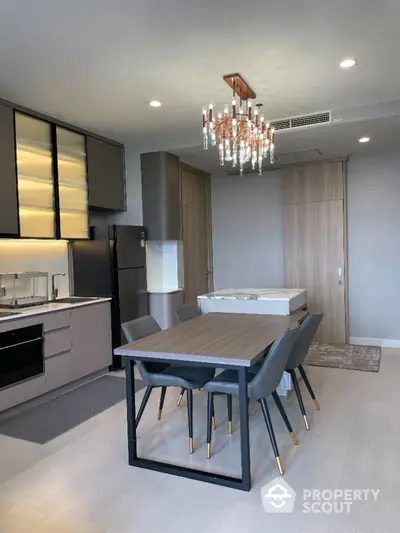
(21,354)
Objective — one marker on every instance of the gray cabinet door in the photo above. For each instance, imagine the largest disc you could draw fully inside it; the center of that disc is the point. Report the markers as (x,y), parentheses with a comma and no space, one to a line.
(91,339)
(161,196)
(8,174)
(106,175)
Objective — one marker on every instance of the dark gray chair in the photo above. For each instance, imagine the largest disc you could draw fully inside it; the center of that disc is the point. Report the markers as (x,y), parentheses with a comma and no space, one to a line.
(260,386)
(308,329)
(184,313)
(165,375)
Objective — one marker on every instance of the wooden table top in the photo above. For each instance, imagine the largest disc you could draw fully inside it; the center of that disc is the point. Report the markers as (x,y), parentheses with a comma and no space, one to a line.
(234,339)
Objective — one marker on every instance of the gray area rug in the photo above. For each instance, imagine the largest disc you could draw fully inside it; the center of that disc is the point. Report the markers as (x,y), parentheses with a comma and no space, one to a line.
(50,419)
(347,356)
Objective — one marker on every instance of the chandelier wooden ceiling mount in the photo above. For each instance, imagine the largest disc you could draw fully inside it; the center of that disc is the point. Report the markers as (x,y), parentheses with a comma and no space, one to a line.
(240,86)
(240,130)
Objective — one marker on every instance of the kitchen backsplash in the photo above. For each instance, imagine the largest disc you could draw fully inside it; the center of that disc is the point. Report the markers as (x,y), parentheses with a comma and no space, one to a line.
(36,255)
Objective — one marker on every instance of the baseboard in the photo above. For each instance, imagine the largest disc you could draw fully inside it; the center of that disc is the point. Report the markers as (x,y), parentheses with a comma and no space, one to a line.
(371,341)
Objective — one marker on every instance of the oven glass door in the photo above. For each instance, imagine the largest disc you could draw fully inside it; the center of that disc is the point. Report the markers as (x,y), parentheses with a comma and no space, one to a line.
(22,359)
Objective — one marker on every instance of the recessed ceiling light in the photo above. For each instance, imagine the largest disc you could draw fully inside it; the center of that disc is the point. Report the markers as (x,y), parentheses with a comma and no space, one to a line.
(348,62)
(364,140)
(155,103)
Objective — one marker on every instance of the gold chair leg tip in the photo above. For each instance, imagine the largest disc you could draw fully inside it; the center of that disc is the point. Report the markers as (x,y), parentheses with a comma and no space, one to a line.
(208,450)
(278,462)
(230,427)
(191,449)
(295,441)
(214,424)
(178,403)
(159,414)
(317,407)
(306,422)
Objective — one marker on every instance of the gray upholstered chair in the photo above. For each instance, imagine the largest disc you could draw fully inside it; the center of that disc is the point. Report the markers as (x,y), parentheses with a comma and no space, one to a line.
(260,386)
(186,312)
(165,375)
(308,329)
(183,314)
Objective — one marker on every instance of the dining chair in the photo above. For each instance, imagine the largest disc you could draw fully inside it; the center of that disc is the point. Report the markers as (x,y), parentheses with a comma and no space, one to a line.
(184,313)
(307,331)
(260,386)
(165,375)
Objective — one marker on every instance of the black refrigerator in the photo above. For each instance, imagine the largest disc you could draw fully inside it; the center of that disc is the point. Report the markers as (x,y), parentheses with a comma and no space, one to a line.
(113,264)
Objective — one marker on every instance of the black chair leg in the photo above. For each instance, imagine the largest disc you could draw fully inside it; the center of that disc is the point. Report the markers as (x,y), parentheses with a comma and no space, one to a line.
(214,423)
(299,398)
(178,403)
(143,404)
(210,410)
(308,385)
(271,433)
(229,400)
(284,416)
(189,394)
(161,404)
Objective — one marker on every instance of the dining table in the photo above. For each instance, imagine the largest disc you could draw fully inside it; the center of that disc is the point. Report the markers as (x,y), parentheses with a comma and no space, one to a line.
(220,340)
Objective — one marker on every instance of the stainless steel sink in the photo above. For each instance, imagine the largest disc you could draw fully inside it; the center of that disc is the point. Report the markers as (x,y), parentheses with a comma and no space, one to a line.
(72,300)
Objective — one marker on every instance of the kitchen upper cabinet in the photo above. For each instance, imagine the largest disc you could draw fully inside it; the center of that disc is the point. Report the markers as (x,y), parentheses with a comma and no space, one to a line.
(52,180)
(72,184)
(8,177)
(36,185)
(51,174)
(161,196)
(106,175)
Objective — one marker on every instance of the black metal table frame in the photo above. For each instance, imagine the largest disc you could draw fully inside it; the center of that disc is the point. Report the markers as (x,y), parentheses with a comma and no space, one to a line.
(243,483)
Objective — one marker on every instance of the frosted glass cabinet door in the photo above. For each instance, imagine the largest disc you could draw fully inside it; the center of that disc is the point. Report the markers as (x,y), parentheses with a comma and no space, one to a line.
(72,184)
(37,215)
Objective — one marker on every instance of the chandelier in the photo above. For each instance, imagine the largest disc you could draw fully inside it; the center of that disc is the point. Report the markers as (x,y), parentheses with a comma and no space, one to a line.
(241,132)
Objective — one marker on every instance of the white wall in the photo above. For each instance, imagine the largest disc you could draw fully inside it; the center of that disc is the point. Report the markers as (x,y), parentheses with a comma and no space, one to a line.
(373,245)
(30,255)
(247,230)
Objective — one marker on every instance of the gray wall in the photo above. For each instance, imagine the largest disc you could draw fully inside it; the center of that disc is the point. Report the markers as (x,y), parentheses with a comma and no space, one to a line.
(373,245)
(247,224)
(247,228)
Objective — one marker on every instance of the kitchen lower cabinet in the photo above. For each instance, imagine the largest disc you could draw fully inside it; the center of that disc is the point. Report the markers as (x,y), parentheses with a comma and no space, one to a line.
(77,343)
(58,371)
(91,339)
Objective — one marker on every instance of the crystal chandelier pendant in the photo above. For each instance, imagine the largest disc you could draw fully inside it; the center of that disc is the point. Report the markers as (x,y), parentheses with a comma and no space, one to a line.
(241,132)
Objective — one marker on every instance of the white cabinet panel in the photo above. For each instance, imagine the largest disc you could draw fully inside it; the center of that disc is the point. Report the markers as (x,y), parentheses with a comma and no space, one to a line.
(91,339)
(58,371)
(57,342)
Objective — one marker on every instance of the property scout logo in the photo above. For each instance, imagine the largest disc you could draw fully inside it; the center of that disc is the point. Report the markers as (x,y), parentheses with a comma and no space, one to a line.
(279,497)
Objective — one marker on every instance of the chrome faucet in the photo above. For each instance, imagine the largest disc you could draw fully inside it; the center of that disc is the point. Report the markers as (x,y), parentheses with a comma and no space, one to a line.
(54,290)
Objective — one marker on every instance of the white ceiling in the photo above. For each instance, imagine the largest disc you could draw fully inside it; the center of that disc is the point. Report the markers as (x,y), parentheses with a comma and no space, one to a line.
(327,141)
(96,63)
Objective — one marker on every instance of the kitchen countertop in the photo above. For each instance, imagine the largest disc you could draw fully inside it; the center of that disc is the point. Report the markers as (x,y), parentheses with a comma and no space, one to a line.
(45,308)
(254,294)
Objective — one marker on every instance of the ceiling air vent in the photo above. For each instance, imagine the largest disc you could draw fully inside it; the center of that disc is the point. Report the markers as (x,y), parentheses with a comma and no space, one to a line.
(301,122)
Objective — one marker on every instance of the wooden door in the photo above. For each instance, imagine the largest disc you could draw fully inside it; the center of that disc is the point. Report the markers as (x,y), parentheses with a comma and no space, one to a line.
(315,242)
(195,197)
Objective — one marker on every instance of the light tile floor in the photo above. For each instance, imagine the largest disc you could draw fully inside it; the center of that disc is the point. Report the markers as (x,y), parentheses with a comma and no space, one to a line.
(80,481)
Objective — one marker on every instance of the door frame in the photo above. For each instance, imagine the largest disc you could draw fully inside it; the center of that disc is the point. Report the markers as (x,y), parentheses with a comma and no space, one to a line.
(207,177)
